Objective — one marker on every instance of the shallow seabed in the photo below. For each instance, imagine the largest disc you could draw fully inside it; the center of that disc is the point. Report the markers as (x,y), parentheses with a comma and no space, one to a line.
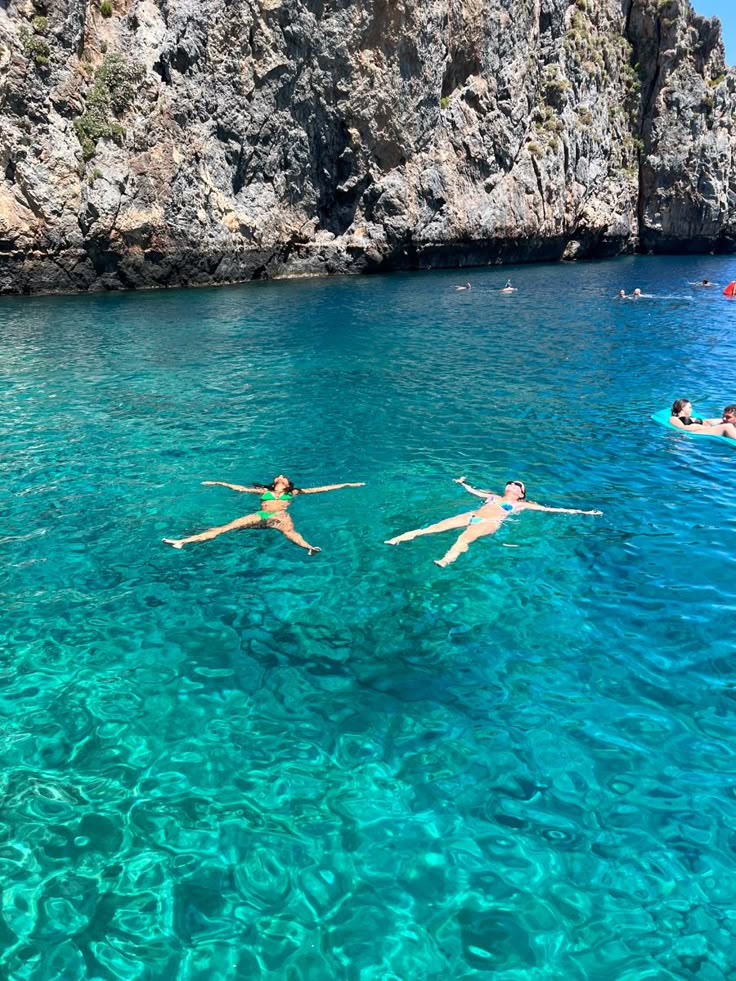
(236,761)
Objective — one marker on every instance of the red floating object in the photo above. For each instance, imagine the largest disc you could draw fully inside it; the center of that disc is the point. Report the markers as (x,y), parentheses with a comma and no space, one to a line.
(730,290)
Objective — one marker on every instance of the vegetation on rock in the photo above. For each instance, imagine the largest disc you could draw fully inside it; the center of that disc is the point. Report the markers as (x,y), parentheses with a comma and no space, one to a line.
(35,45)
(111,95)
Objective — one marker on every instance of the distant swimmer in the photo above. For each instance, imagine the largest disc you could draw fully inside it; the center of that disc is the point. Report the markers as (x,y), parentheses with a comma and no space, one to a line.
(485,520)
(466,287)
(704,283)
(637,294)
(275,499)
(621,295)
(508,288)
(682,417)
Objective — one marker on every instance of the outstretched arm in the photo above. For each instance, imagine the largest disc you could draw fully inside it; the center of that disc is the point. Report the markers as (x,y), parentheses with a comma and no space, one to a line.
(328,487)
(235,487)
(471,490)
(531,506)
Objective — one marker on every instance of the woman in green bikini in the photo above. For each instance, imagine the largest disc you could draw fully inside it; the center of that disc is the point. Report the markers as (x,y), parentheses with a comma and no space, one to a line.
(485,520)
(275,499)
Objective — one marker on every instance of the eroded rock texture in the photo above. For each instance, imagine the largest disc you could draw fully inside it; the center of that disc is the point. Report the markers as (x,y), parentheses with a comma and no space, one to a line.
(165,142)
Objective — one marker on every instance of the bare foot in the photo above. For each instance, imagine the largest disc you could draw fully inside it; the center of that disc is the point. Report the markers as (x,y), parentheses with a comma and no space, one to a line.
(176,542)
(441,563)
(313,549)
(391,541)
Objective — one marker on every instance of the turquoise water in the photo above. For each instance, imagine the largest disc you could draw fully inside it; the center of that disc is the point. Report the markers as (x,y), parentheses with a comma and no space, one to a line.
(237,761)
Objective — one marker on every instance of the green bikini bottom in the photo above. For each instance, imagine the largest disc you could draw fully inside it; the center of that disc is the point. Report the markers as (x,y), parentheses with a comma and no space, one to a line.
(265,515)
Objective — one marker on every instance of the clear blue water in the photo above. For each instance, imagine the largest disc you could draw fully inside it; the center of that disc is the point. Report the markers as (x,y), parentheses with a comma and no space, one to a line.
(237,761)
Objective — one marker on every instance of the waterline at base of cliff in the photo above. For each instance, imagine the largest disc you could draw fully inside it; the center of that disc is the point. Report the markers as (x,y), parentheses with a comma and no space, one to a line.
(162,144)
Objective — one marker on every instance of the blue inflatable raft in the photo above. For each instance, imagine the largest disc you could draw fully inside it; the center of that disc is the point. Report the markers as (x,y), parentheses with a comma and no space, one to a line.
(663,418)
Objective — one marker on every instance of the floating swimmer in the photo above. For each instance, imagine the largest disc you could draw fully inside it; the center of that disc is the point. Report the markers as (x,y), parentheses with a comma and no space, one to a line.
(486,520)
(703,283)
(508,288)
(461,288)
(275,499)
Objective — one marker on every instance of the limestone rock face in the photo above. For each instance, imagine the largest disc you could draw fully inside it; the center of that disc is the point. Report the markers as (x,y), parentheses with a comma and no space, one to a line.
(171,142)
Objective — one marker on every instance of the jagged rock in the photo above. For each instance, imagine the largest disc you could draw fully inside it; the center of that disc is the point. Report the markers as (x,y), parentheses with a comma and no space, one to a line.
(291,137)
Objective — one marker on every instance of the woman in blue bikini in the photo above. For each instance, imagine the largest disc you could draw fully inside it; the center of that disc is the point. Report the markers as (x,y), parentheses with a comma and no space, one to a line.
(485,520)
(275,499)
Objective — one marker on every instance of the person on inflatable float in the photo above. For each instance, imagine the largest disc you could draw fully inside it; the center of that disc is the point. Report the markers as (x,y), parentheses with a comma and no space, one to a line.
(728,415)
(682,417)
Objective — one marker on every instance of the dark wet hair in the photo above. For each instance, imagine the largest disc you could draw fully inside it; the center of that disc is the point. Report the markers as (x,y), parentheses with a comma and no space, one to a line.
(730,409)
(290,488)
(678,405)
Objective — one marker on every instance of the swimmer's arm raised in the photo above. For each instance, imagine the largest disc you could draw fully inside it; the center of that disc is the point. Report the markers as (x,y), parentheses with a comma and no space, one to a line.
(471,490)
(235,487)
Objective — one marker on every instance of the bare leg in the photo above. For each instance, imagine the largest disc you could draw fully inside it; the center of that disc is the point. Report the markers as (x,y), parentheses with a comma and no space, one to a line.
(286,527)
(457,522)
(250,521)
(465,538)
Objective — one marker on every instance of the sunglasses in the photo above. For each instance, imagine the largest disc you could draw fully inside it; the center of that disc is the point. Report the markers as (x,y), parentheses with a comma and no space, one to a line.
(517,483)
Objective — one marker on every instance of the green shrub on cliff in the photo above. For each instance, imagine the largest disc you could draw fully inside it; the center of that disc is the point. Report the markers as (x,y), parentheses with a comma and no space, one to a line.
(36,48)
(116,83)
(117,80)
(35,45)
(93,126)
(106,8)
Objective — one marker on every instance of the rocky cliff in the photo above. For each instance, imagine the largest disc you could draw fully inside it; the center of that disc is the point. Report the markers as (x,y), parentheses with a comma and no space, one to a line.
(167,142)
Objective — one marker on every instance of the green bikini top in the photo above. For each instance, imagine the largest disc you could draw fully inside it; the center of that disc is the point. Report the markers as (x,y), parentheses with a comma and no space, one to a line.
(270,496)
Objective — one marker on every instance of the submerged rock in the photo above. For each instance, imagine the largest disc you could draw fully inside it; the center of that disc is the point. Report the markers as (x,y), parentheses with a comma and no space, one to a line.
(189,142)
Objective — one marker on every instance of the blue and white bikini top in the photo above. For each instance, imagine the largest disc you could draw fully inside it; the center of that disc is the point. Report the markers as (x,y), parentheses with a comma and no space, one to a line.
(506,505)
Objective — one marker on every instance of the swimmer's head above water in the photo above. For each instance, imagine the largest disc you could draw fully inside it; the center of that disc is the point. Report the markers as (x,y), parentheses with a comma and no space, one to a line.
(682,407)
(279,485)
(515,486)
